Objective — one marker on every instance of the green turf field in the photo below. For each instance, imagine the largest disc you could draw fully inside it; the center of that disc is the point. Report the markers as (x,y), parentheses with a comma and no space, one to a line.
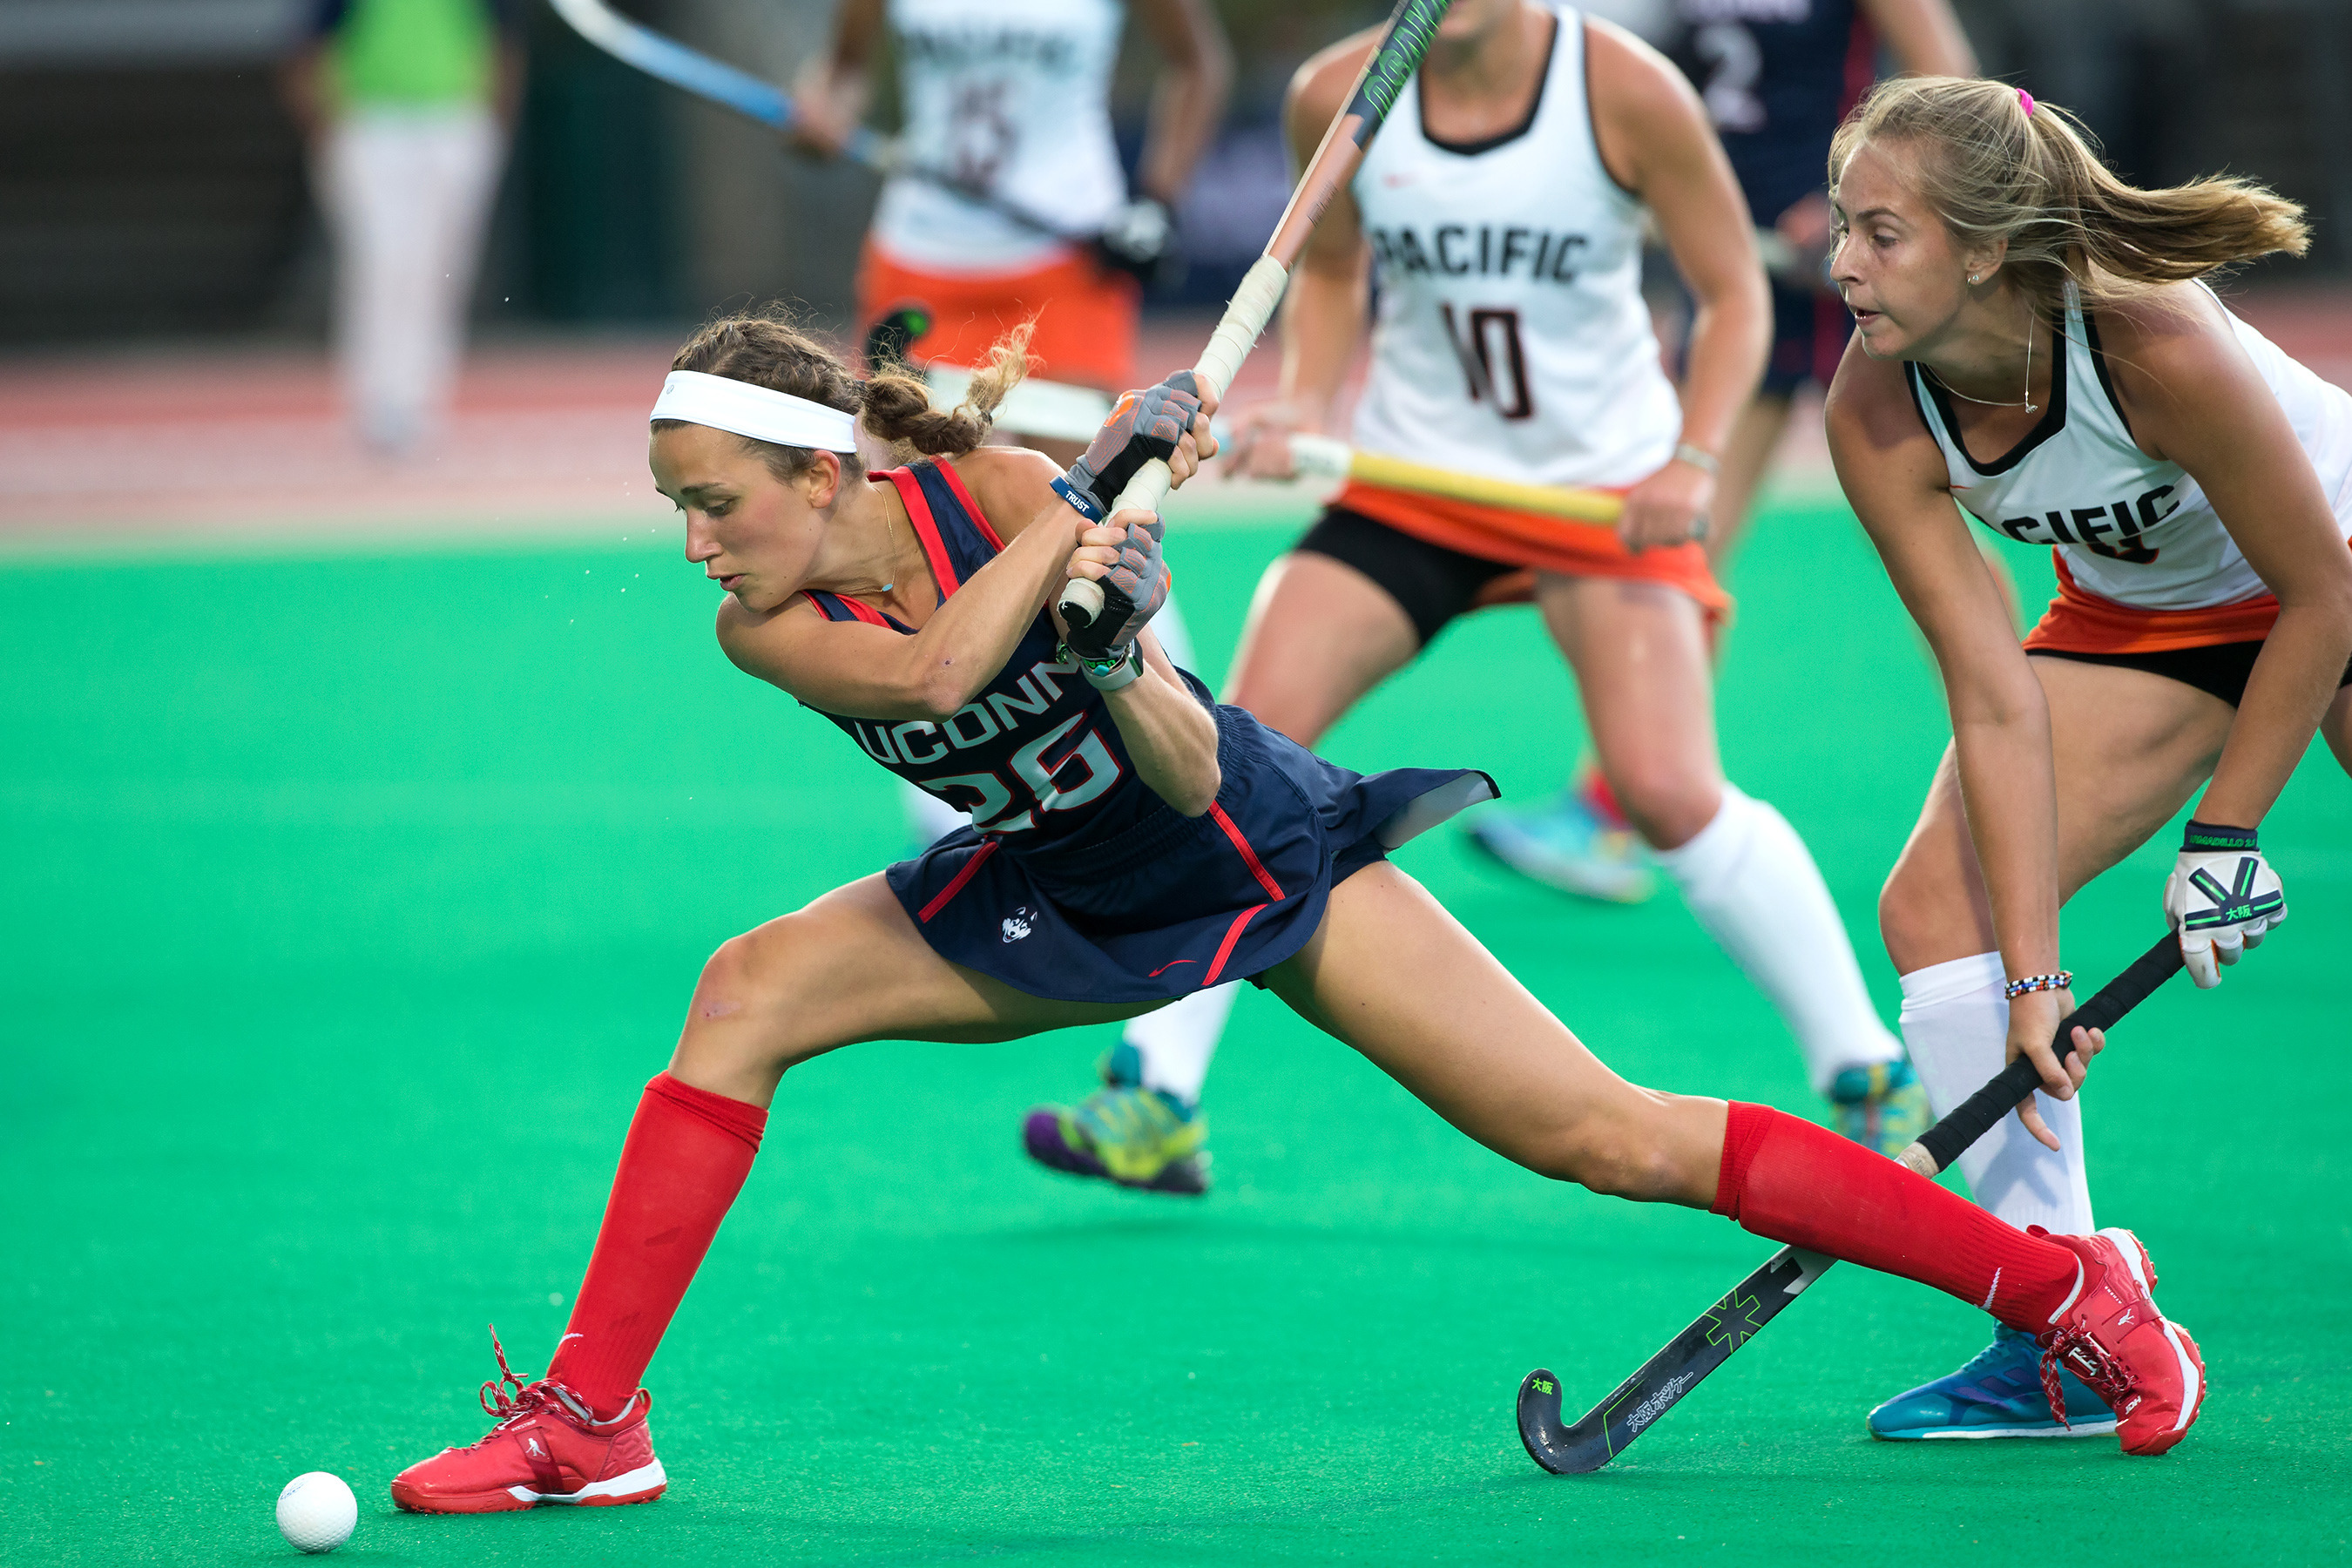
(348,901)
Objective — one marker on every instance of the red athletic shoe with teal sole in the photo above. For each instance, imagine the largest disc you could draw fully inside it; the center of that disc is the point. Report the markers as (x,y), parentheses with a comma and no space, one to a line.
(547,1447)
(2111,1334)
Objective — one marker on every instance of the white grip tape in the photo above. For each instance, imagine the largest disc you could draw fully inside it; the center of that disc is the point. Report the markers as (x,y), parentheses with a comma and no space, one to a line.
(1319,456)
(1251,308)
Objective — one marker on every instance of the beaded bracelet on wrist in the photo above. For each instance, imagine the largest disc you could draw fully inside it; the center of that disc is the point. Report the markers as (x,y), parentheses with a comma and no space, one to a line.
(2062,981)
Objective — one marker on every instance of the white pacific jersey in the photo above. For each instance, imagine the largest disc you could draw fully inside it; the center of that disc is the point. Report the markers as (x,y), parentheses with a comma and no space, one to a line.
(1012,97)
(1512,337)
(2128,528)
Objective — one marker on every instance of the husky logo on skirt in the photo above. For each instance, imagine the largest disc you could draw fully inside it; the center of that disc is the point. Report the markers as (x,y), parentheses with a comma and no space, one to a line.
(1016,924)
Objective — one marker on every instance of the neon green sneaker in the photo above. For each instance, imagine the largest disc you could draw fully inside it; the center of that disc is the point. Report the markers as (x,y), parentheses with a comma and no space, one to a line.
(1124,1133)
(1884,1108)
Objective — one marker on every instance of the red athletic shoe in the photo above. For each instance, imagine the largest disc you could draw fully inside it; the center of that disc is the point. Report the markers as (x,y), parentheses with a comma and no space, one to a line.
(548,1447)
(2111,1334)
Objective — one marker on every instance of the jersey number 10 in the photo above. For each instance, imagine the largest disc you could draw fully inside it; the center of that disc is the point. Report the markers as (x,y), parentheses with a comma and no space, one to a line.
(1494,335)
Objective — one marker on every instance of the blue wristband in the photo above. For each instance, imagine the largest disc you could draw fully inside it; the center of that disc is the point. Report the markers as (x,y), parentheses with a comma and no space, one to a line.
(1083,504)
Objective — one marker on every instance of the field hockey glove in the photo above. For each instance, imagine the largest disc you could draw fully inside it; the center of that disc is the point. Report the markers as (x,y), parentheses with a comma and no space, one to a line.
(2222,897)
(1133,591)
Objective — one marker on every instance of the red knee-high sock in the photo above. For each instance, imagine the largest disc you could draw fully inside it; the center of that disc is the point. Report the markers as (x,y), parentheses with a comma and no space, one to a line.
(686,1156)
(1797,1183)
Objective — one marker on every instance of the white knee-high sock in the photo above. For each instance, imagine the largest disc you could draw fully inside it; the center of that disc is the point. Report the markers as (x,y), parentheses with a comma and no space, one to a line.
(1177,1041)
(1752,883)
(1955,1021)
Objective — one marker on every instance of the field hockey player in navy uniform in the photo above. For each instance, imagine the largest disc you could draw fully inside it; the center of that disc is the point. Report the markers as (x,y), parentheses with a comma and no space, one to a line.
(1133,843)
(2033,342)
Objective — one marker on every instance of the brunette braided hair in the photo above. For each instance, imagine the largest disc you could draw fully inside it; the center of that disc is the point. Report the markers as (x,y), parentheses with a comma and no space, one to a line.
(770,348)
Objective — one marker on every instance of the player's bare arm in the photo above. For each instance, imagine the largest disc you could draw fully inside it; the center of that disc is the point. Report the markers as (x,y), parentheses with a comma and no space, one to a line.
(1655,142)
(1895,479)
(2195,399)
(832,90)
(1196,77)
(870,671)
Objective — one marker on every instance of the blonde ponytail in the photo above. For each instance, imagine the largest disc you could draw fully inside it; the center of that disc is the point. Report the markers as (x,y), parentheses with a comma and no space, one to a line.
(1996,164)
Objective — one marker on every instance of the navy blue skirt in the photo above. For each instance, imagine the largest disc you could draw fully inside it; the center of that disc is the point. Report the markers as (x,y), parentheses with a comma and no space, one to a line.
(1173,904)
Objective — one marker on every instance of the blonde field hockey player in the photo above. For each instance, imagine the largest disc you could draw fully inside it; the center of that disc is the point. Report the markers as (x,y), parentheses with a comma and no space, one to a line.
(2034,340)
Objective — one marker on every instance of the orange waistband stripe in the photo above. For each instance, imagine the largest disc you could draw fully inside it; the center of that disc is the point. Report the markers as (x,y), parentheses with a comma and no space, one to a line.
(2080,621)
(1530,540)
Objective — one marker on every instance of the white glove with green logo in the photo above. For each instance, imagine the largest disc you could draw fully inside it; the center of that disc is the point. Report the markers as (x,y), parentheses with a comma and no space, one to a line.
(2222,898)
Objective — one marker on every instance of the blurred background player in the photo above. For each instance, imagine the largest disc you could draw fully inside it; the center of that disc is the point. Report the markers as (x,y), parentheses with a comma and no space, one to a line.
(2033,343)
(406,105)
(1012,98)
(1010,101)
(1777,77)
(1503,207)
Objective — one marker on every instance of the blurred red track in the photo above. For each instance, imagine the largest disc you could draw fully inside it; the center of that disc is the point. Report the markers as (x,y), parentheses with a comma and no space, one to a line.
(545,437)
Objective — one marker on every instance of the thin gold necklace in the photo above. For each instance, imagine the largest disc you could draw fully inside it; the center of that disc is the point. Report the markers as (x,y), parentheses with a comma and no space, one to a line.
(2027,403)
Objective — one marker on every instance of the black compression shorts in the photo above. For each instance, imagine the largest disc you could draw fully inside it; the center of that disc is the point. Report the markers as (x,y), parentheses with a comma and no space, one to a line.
(1430,582)
(2218,669)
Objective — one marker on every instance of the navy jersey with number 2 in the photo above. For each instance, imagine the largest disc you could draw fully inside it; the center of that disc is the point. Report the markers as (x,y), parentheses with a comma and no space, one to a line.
(1075,881)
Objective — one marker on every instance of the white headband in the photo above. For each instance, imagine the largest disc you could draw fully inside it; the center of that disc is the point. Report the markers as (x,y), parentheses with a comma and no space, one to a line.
(724,404)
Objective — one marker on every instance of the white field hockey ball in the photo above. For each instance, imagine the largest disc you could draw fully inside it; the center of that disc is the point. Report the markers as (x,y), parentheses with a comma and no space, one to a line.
(317,1511)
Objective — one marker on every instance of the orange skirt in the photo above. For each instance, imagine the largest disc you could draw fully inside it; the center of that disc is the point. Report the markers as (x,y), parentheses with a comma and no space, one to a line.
(1535,543)
(2078,622)
(1085,315)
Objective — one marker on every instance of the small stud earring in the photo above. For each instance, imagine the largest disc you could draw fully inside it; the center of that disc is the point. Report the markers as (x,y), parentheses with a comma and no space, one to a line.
(1973,277)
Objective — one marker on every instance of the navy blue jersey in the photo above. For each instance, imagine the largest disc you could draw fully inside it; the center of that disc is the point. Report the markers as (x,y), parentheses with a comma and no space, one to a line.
(1103,893)
(1776,76)
(1035,755)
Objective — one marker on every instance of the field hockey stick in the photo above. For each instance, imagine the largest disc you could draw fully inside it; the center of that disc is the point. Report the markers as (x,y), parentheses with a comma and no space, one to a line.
(1386,71)
(1635,1404)
(665,59)
(1325,457)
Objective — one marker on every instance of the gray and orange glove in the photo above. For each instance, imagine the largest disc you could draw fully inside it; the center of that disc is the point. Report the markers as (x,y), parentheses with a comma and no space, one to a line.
(1143,425)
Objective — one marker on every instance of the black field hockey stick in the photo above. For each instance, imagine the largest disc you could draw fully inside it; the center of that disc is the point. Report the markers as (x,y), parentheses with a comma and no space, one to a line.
(715,81)
(1387,69)
(1605,1430)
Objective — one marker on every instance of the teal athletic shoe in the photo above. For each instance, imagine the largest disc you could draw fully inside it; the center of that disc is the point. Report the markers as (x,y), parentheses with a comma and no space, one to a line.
(1884,1108)
(1124,1133)
(1562,844)
(1997,1395)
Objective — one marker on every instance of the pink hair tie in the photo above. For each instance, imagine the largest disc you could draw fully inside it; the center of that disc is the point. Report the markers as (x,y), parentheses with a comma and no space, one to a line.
(2025,101)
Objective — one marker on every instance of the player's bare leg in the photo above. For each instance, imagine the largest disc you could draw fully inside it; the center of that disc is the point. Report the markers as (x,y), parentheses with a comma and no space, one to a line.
(2129,748)
(1394,975)
(1321,635)
(849,967)
(2337,728)
(1642,664)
